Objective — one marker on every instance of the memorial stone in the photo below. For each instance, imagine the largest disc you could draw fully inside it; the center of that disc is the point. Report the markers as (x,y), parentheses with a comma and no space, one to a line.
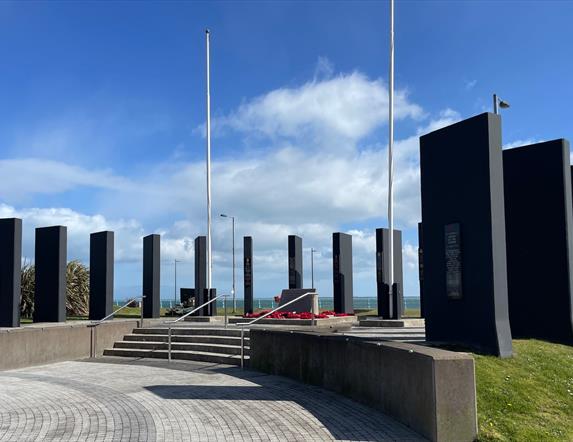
(10,271)
(465,274)
(342,272)
(151,276)
(537,181)
(389,307)
(248,273)
(294,262)
(50,274)
(101,275)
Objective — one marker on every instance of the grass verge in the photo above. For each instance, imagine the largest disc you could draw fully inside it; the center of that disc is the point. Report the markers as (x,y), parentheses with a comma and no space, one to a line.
(528,397)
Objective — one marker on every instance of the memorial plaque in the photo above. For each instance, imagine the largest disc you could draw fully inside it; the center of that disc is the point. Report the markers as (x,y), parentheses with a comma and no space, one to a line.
(453,248)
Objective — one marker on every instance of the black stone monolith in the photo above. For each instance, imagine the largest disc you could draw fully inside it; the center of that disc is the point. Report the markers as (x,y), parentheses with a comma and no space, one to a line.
(50,274)
(101,274)
(151,276)
(342,272)
(248,274)
(421,267)
(201,274)
(387,308)
(295,262)
(539,238)
(465,274)
(10,271)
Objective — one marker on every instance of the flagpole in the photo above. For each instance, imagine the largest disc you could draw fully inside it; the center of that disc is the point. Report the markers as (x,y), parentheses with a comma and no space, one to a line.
(209,261)
(390,159)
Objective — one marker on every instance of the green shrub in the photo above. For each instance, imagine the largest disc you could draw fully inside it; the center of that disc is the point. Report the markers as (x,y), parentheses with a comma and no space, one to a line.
(77,289)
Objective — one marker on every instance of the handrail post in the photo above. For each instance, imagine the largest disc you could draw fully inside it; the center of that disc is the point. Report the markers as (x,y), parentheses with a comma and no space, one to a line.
(141,320)
(242,348)
(92,349)
(314,313)
(169,345)
(225,309)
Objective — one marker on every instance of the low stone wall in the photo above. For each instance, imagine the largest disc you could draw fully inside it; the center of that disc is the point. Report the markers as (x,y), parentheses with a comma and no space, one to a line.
(430,390)
(45,343)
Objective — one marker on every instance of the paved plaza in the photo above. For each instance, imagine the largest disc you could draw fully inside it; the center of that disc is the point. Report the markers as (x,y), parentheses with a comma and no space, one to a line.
(145,400)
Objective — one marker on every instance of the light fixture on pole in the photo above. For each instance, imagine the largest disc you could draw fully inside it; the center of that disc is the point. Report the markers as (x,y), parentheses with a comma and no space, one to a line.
(175,294)
(390,159)
(312,252)
(233,289)
(209,258)
(498,104)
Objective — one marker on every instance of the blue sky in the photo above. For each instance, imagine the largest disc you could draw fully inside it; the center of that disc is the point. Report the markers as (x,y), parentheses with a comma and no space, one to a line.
(102,111)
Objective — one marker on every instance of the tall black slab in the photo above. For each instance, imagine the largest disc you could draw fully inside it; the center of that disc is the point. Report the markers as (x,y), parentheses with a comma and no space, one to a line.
(248,274)
(201,296)
(10,271)
(389,307)
(421,267)
(151,276)
(342,272)
(539,238)
(101,274)
(294,262)
(465,273)
(50,274)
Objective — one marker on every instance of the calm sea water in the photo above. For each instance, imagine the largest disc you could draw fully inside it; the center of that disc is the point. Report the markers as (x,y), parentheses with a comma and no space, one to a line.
(324,303)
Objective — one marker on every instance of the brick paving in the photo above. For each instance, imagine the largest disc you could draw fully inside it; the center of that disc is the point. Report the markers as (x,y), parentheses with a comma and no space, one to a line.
(146,400)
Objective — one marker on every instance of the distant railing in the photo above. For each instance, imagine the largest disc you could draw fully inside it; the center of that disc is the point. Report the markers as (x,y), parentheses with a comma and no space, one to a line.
(111,315)
(189,313)
(280,307)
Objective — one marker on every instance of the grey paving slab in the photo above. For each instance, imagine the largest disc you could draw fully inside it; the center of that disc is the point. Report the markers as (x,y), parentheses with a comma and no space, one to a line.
(113,399)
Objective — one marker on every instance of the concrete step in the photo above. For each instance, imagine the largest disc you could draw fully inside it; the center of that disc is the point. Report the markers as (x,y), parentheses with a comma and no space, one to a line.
(213,339)
(216,358)
(203,331)
(204,348)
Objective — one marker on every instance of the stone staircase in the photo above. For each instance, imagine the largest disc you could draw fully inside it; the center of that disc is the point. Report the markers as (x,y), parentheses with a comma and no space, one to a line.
(206,344)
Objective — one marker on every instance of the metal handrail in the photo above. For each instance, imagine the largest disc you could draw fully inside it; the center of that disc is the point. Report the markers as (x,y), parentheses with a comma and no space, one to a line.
(94,324)
(243,325)
(187,314)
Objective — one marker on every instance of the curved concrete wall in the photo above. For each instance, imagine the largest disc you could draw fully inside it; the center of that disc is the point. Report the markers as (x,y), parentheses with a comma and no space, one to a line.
(428,389)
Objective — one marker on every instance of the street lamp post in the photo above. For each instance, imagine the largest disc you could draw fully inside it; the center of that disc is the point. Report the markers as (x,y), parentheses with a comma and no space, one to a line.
(175,294)
(233,289)
(208,164)
(498,104)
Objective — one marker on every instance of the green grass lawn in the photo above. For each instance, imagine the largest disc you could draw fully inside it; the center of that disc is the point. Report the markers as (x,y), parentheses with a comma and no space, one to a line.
(408,313)
(528,397)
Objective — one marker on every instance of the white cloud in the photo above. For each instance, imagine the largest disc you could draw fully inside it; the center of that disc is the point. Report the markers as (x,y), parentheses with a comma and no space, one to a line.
(24,176)
(321,112)
(470,84)
(315,174)
(519,143)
